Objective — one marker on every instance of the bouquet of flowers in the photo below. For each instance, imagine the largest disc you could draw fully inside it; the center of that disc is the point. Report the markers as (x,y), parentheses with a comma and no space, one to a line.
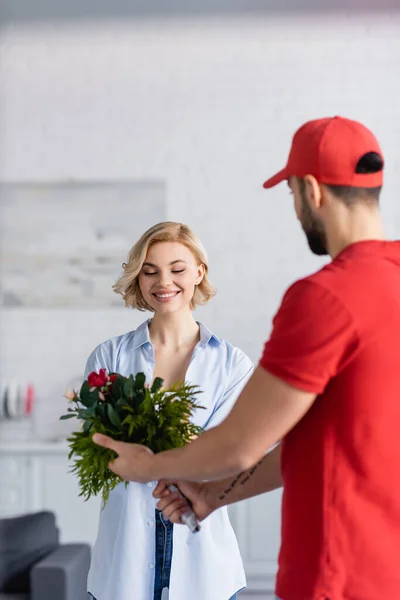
(128,410)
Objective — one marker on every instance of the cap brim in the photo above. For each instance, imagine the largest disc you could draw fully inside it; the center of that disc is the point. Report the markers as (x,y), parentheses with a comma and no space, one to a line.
(278,178)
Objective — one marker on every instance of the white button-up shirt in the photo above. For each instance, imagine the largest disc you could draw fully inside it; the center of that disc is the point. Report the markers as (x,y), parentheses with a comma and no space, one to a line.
(205,565)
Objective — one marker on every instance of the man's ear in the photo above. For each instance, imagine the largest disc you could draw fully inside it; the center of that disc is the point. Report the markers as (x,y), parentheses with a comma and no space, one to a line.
(313,191)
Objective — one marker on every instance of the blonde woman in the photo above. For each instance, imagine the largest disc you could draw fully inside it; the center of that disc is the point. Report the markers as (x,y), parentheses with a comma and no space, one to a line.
(139,554)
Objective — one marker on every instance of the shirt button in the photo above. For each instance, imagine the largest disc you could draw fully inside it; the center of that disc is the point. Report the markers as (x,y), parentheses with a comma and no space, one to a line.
(150,484)
(150,523)
(151,566)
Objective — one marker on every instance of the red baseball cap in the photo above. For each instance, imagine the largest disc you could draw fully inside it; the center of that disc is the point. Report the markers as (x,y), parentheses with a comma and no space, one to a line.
(329,149)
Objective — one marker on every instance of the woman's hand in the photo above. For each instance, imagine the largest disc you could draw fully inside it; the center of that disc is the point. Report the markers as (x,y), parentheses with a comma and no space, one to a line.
(172,506)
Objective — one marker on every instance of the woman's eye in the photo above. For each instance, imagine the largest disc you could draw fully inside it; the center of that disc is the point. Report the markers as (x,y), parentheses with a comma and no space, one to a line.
(181,271)
(149,273)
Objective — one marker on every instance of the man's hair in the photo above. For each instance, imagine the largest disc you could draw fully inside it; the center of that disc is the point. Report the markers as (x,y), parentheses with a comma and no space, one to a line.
(369,163)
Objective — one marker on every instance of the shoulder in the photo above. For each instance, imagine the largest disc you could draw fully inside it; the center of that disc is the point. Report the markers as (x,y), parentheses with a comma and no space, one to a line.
(231,357)
(114,344)
(339,278)
(311,307)
(236,357)
(314,292)
(104,355)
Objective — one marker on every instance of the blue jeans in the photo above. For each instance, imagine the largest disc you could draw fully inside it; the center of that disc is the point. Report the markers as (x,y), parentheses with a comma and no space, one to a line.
(164,546)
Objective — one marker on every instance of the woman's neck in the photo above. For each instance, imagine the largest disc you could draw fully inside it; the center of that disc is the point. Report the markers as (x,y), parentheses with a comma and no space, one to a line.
(176,330)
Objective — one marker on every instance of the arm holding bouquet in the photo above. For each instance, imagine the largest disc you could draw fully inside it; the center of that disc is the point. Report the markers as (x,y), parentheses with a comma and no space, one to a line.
(266,410)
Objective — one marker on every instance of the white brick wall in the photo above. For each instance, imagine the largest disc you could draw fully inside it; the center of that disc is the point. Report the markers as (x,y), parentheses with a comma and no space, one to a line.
(208,106)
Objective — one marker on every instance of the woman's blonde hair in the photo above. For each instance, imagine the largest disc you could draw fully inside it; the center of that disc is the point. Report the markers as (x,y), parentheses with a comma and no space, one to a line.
(128,283)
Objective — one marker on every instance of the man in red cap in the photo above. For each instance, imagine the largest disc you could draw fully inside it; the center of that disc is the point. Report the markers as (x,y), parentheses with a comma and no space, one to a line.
(328,385)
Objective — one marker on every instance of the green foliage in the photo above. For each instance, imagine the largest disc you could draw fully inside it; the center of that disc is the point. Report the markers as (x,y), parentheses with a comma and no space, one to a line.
(91,466)
(126,410)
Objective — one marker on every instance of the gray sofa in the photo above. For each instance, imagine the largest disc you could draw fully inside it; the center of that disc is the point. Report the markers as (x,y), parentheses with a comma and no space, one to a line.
(33,564)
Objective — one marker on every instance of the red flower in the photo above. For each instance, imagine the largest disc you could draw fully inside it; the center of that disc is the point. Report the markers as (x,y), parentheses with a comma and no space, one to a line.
(97,379)
(112,378)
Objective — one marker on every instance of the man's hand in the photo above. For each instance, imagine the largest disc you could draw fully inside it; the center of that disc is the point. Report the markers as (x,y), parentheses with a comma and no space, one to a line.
(173,507)
(204,498)
(133,462)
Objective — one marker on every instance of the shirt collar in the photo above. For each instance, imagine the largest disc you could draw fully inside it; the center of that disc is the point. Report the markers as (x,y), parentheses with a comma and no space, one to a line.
(142,335)
(207,336)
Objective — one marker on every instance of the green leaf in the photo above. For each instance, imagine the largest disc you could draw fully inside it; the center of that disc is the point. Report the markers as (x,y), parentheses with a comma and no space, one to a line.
(90,412)
(65,417)
(100,410)
(87,426)
(113,416)
(85,395)
(117,388)
(157,385)
(138,398)
(128,419)
(128,388)
(140,380)
(82,413)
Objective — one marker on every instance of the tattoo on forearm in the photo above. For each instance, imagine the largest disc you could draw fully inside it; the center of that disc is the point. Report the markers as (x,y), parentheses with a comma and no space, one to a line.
(242,479)
(232,485)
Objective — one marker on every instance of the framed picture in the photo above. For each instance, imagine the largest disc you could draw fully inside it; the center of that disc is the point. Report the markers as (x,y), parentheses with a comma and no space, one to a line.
(62,245)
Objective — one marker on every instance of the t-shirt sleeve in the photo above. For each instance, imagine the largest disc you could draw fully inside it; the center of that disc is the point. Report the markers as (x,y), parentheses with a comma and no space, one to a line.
(312,339)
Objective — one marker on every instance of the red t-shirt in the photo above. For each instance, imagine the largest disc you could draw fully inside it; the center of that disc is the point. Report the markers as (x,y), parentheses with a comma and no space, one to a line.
(337,334)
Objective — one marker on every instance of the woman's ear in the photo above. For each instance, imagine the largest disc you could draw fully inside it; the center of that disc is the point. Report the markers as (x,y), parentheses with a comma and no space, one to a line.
(200,274)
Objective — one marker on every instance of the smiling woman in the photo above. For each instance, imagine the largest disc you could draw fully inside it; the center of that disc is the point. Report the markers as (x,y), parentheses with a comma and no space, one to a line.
(180,262)
(138,551)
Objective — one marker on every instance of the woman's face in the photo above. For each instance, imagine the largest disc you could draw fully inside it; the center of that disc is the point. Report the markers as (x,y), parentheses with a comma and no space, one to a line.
(169,276)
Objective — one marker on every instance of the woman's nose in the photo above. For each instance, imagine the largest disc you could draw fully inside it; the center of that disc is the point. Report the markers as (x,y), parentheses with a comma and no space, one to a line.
(165,278)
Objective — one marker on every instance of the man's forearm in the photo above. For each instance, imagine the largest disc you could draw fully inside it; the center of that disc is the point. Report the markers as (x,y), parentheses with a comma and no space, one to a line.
(213,456)
(265,476)
(264,413)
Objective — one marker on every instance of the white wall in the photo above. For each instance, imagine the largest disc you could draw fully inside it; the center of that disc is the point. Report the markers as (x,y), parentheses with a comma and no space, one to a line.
(209,106)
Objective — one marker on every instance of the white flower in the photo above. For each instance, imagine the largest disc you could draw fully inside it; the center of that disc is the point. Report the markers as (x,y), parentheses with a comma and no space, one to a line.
(69,395)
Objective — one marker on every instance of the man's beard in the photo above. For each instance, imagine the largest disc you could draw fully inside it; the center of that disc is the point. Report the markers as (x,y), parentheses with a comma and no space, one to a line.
(313,229)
